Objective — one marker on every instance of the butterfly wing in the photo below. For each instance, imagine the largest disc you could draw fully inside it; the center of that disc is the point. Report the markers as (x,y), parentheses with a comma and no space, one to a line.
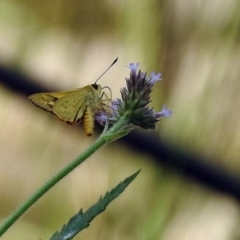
(70,108)
(46,101)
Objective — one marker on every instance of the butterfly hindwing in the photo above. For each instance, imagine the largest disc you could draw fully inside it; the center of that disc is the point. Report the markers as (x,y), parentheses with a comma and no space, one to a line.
(70,108)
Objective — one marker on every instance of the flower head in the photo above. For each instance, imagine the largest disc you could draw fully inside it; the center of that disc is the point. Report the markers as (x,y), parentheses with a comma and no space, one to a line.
(135,99)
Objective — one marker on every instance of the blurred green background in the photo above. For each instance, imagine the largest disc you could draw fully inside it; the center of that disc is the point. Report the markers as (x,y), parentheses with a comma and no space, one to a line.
(67,44)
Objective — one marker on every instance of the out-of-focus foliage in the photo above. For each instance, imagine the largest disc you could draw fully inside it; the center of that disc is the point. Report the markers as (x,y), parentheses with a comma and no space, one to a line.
(67,44)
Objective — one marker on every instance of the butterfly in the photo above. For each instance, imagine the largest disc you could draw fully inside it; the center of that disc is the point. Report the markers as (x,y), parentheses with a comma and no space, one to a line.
(77,105)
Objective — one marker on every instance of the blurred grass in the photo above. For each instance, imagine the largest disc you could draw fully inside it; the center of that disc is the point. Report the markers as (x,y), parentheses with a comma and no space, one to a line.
(67,45)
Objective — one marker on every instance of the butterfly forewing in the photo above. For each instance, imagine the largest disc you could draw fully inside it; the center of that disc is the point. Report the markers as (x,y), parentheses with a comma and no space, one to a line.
(43,100)
(46,101)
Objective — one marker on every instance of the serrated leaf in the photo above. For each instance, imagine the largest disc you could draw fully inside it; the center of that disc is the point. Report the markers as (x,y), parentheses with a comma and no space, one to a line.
(82,220)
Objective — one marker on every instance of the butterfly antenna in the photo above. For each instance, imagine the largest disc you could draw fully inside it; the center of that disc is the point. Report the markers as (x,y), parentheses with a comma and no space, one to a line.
(107,69)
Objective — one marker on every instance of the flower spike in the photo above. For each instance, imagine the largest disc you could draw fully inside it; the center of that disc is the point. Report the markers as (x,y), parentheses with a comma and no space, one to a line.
(135,99)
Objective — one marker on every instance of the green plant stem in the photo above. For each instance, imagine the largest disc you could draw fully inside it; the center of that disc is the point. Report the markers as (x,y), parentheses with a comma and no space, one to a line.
(101,141)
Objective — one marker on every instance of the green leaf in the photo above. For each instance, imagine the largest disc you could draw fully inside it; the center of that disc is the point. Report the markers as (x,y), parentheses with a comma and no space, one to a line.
(82,220)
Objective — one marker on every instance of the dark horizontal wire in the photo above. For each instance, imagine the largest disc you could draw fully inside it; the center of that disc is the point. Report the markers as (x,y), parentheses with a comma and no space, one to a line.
(167,155)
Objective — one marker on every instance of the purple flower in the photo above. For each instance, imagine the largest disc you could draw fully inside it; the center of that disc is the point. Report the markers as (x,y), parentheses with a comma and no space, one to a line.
(134,105)
(164,113)
(155,78)
(133,67)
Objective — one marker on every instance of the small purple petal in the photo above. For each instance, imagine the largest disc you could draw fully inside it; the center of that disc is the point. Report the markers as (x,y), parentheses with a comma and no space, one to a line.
(133,67)
(155,77)
(115,104)
(101,118)
(164,113)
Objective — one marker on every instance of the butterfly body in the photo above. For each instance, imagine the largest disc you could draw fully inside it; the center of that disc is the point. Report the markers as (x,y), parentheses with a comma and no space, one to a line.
(88,123)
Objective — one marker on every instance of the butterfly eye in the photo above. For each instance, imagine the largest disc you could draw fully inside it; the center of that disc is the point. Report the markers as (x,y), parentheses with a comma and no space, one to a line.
(95,86)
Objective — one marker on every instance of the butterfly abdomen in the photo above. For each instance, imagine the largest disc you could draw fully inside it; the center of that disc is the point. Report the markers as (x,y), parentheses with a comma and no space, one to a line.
(88,122)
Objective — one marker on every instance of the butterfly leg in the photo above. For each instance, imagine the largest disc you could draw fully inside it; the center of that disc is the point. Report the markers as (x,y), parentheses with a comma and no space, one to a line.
(107,99)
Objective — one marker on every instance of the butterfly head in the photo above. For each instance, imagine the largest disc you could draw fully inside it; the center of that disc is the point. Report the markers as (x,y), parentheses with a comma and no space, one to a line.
(96,86)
